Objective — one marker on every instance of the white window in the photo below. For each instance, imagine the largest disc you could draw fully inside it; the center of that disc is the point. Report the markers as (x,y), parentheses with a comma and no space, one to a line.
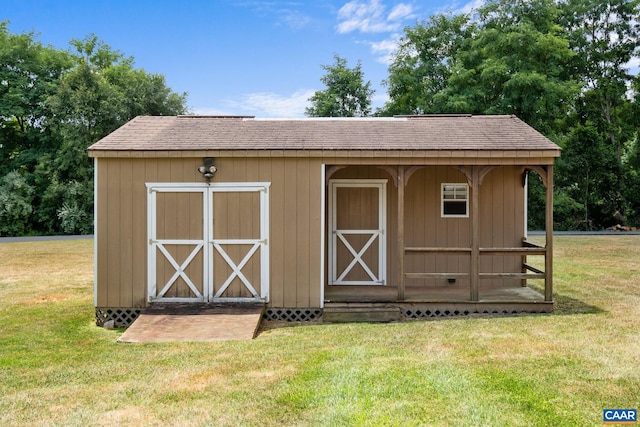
(455,201)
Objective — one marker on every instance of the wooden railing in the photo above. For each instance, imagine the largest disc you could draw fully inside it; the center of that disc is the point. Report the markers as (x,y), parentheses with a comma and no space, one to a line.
(528,271)
(437,251)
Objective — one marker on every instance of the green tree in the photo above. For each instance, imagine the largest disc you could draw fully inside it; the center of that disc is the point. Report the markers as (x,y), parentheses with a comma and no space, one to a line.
(346,93)
(422,65)
(588,175)
(516,63)
(15,204)
(29,73)
(604,34)
(102,92)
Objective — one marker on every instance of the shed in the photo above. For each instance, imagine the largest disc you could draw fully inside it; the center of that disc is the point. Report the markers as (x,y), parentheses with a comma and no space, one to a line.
(423,213)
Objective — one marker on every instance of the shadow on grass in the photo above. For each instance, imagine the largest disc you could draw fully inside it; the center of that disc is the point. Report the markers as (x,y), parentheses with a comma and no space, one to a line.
(566,305)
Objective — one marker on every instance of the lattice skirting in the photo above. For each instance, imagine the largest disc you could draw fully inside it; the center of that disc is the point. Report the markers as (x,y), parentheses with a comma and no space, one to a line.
(292,314)
(313,314)
(424,313)
(122,317)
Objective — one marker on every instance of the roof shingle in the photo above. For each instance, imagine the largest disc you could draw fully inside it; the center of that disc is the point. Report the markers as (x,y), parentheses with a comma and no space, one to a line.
(184,133)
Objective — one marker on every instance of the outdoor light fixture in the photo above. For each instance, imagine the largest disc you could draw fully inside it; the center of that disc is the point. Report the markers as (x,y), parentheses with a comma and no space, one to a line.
(208,168)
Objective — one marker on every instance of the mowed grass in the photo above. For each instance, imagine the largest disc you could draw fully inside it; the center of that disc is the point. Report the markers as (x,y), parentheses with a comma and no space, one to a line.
(58,368)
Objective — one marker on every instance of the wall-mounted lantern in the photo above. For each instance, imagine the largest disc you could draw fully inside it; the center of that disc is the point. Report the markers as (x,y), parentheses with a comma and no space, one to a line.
(208,168)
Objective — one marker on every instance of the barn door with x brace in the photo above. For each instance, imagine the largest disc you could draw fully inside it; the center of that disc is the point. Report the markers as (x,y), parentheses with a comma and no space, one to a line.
(357,227)
(208,242)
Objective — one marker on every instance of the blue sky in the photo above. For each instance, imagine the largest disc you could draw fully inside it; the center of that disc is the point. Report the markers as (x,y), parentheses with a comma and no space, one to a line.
(242,57)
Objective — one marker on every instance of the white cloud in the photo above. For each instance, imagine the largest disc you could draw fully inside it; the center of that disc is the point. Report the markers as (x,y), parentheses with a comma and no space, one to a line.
(294,19)
(285,13)
(372,17)
(468,7)
(385,49)
(263,105)
(401,12)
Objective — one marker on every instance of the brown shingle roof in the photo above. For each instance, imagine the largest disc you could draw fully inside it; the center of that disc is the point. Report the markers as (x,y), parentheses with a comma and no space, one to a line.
(147,133)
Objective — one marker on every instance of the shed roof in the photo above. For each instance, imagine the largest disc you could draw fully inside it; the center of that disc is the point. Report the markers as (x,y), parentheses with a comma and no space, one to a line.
(439,132)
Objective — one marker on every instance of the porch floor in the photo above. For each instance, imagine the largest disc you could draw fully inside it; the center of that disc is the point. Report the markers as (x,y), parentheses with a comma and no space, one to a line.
(385,294)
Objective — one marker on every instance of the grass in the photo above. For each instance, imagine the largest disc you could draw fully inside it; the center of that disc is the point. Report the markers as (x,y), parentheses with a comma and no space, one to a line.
(58,368)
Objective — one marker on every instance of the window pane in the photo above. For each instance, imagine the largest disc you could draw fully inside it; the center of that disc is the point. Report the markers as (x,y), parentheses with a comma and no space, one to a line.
(455,208)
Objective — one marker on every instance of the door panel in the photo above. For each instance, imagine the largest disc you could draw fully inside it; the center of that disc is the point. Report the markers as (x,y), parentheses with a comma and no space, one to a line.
(357,221)
(208,242)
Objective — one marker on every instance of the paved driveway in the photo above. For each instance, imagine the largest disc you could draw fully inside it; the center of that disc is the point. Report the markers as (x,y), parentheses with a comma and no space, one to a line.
(43,238)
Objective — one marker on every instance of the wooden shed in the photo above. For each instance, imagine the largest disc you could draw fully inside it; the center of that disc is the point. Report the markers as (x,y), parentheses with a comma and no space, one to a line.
(426,214)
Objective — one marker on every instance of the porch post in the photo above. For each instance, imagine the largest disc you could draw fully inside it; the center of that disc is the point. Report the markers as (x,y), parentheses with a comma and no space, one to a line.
(548,268)
(401,171)
(475,233)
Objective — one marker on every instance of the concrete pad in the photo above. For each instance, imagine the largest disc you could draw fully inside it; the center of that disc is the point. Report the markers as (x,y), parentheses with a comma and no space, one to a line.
(195,323)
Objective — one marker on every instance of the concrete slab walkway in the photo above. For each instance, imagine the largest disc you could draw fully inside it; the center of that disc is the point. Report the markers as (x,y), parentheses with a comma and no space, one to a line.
(195,323)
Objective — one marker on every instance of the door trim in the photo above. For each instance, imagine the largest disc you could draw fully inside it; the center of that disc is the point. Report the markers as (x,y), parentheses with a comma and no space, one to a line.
(208,244)
(335,235)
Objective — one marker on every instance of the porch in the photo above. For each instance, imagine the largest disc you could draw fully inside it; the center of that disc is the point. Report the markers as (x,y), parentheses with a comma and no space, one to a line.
(421,294)
(479,258)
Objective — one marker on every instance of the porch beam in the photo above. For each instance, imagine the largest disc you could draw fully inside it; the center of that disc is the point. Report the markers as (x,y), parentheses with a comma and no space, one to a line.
(401,278)
(548,282)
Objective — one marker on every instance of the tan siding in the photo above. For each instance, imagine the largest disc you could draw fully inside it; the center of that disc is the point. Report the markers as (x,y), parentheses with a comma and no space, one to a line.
(277,232)
(502,210)
(126,237)
(315,229)
(303,238)
(294,220)
(251,217)
(114,233)
(103,239)
(290,234)
(139,234)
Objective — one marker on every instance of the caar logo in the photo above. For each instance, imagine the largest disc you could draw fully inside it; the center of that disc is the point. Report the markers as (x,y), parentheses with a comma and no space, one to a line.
(620,416)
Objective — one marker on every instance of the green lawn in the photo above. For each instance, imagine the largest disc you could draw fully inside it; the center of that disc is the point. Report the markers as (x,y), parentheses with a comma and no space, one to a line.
(58,368)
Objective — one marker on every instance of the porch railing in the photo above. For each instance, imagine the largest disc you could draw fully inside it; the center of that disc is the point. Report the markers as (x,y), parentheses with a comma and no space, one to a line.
(528,271)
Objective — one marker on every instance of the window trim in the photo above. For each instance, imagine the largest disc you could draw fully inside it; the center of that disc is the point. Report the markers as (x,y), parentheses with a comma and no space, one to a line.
(458,186)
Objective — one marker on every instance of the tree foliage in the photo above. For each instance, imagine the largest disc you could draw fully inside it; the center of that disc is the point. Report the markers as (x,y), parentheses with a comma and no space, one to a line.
(346,93)
(53,105)
(562,67)
(15,204)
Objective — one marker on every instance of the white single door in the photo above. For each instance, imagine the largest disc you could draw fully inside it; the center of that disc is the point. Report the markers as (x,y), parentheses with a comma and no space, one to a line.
(208,242)
(357,232)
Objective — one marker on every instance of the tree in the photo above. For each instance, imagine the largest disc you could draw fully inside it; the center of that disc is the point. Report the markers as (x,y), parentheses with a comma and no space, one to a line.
(346,94)
(516,63)
(423,63)
(102,92)
(29,73)
(604,34)
(15,204)
(512,58)
(587,174)
(53,105)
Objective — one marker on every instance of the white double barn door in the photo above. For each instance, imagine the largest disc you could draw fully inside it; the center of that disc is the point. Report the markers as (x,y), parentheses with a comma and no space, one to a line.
(208,242)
